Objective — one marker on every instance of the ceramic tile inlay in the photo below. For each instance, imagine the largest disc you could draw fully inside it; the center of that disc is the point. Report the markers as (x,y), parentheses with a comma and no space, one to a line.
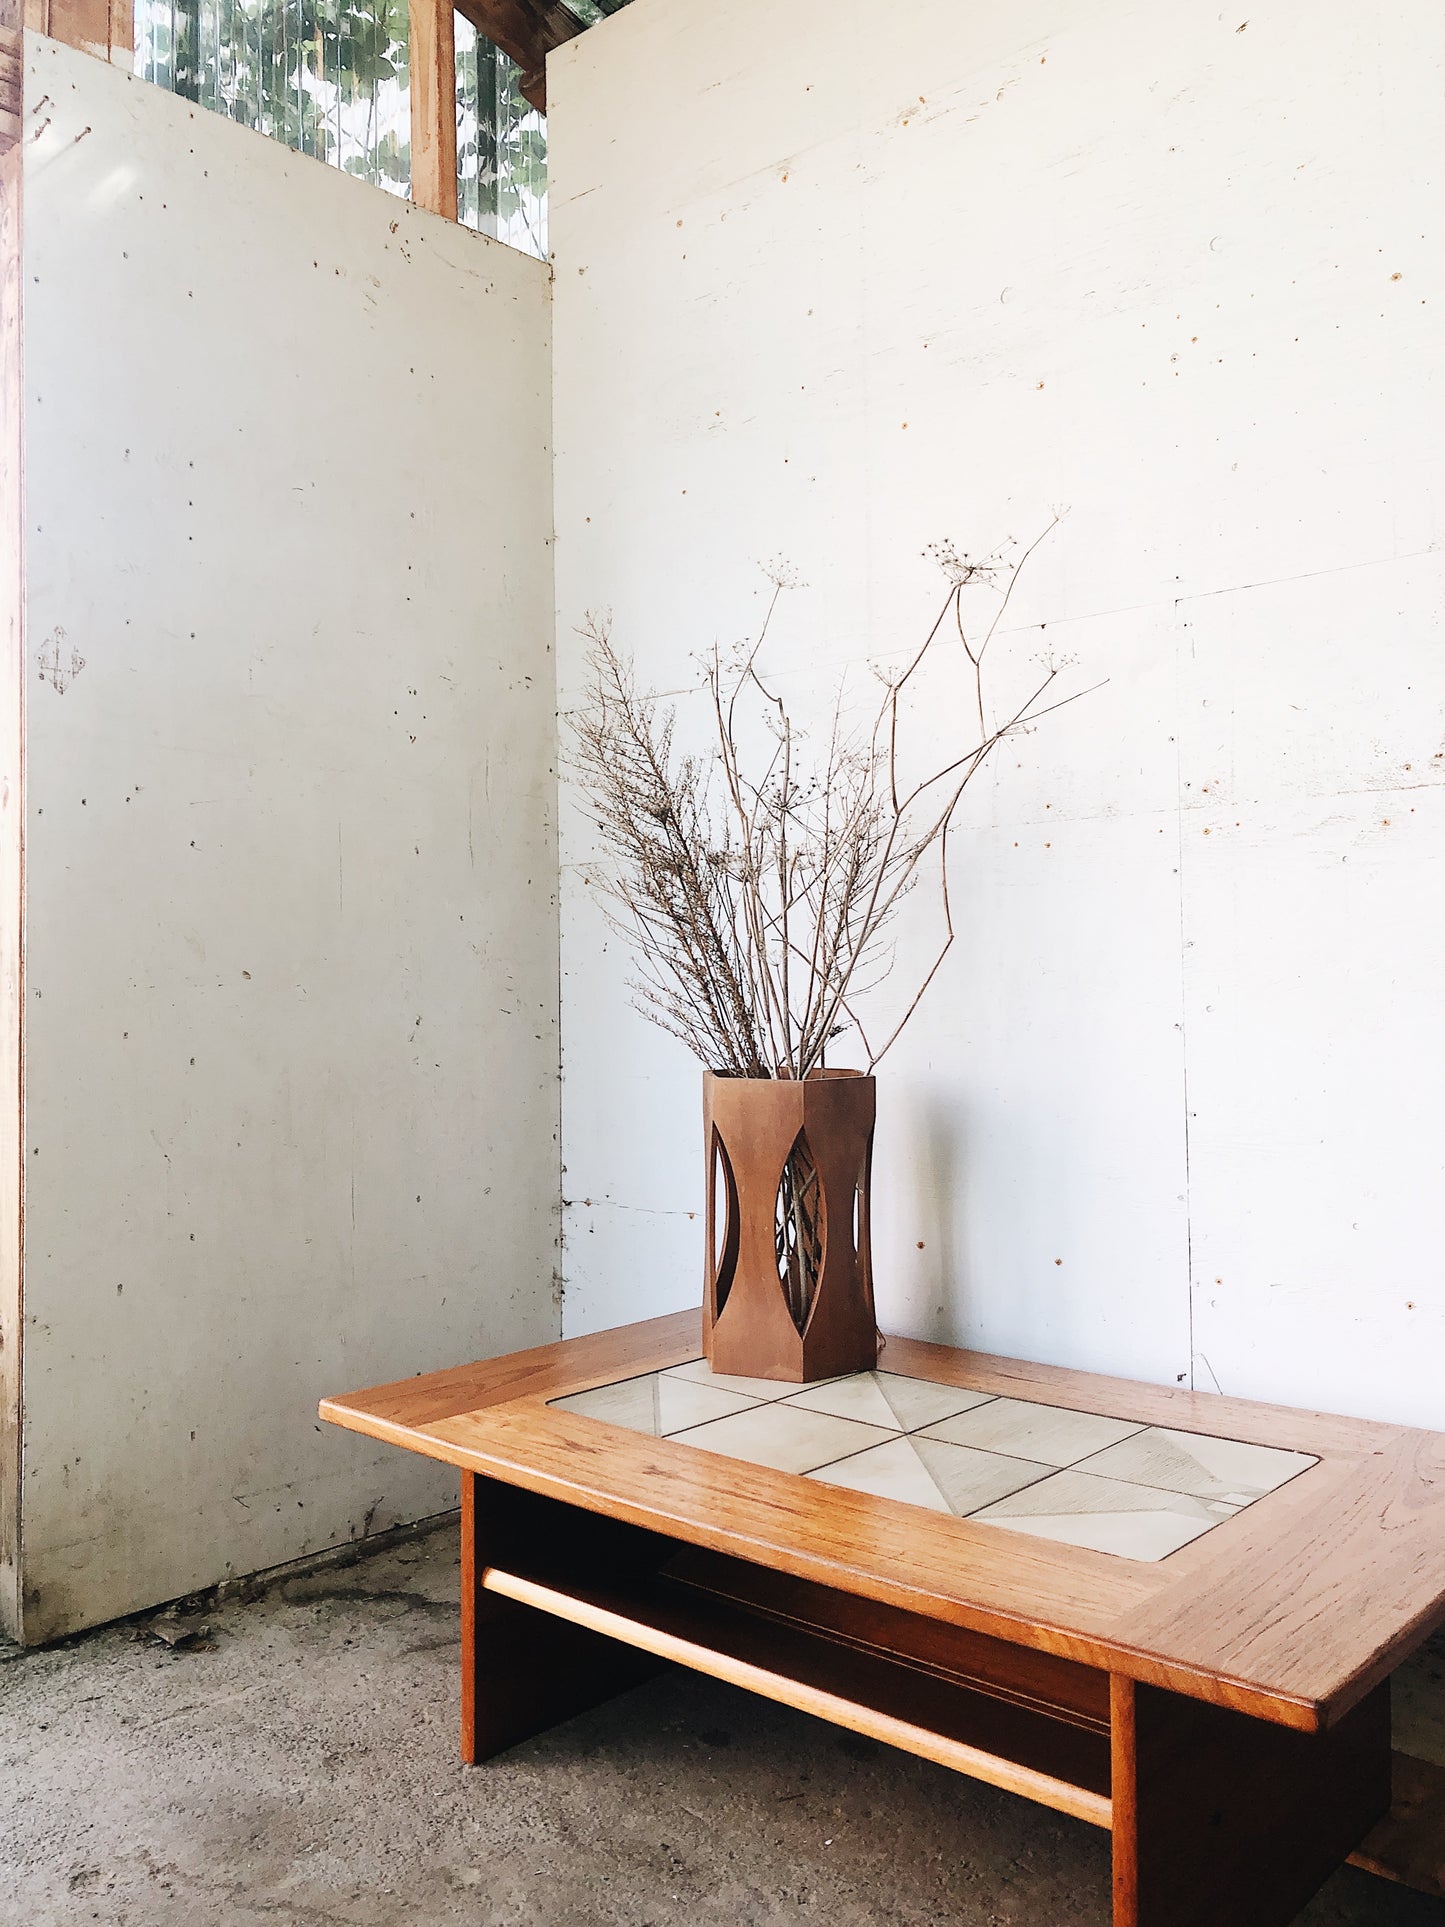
(886,1398)
(657,1404)
(1079,1478)
(698,1373)
(784,1437)
(1047,1433)
(949,1478)
(1204,1468)
(1109,1515)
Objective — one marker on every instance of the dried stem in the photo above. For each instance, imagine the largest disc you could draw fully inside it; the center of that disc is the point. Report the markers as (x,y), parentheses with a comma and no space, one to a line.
(760,904)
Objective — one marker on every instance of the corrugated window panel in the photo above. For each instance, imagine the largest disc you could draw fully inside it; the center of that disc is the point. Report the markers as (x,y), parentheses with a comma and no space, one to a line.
(331,78)
(501,147)
(326,77)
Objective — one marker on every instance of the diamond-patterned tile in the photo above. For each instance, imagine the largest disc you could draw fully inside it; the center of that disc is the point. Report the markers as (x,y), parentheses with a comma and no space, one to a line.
(968,1478)
(632,1402)
(1206,1468)
(1108,1515)
(919,1471)
(1139,1492)
(889,1399)
(656,1404)
(701,1373)
(784,1437)
(892,1470)
(1023,1430)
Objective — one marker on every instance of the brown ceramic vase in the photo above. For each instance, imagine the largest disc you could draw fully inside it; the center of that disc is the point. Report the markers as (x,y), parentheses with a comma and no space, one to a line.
(788,1269)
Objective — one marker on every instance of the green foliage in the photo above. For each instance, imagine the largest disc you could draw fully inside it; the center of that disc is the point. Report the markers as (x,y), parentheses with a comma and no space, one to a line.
(501,147)
(326,77)
(331,78)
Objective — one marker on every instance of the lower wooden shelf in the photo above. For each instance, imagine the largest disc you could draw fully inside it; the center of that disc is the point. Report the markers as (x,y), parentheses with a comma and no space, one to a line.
(1053,1758)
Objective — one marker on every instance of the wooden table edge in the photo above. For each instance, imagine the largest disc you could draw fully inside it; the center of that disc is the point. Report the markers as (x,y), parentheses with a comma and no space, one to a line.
(532,1377)
(1305,1715)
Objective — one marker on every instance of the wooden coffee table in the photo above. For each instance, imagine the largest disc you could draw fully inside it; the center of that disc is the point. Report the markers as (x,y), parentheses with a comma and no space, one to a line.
(1168,1614)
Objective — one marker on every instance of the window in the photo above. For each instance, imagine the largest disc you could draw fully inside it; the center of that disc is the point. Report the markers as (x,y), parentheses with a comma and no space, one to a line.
(326,77)
(501,146)
(331,78)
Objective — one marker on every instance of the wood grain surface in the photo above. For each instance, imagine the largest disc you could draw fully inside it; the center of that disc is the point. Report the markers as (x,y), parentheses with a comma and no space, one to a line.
(1290,1612)
(1222,1821)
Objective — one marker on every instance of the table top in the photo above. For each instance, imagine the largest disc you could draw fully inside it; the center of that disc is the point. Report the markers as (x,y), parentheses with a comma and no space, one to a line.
(1304,1575)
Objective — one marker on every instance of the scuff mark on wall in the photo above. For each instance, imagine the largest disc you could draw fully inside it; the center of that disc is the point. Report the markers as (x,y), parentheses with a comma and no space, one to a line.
(58,664)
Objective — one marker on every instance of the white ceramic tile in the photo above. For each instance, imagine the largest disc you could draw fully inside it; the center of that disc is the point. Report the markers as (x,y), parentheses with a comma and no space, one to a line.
(1107,1515)
(656,1404)
(945,1478)
(887,1398)
(1023,1430)
(681,1403)
(702,1374)
(892,1470)
(1206,1468)
(923,1401)
(786,1438)
(631,1403)
(968,1478)
(1139,1492)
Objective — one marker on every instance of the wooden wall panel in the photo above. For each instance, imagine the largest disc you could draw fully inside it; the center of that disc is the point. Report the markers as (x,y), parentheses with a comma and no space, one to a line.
(12,816)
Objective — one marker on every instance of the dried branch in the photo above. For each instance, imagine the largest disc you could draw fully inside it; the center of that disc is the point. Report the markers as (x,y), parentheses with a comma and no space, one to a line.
(760,904)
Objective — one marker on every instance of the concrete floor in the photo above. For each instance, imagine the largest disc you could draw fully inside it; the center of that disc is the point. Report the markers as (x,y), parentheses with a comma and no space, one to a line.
(298,1768)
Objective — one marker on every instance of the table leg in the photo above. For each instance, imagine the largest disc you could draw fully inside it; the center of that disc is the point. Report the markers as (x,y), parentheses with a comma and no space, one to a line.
(523,1670)
(1221,1820)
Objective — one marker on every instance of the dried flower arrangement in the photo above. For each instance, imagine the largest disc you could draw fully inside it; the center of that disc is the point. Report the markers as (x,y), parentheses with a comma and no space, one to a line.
(758,901)
(758,888)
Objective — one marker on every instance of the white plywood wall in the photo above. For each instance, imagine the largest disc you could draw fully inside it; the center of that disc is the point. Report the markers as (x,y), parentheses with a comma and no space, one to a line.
(291,1038)
(836,283)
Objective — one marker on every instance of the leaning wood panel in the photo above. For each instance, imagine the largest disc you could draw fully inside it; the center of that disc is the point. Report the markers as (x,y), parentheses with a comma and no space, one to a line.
(12,801)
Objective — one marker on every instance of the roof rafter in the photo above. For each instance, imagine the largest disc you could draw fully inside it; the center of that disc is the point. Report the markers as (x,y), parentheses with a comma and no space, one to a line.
(526,31)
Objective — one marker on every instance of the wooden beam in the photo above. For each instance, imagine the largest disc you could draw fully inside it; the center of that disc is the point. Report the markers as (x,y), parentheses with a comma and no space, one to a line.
(122,33)
(105,28)
(434,107)
(12,799)
(526,31)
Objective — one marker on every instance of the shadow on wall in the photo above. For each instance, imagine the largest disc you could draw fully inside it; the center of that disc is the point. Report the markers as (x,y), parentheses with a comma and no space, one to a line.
(939,1202)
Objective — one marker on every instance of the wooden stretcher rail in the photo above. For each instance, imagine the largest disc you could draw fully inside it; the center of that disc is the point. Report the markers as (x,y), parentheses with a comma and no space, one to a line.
(801,1671)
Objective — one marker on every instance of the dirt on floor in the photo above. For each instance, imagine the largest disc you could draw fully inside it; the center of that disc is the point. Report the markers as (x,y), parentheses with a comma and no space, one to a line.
(289,1759)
